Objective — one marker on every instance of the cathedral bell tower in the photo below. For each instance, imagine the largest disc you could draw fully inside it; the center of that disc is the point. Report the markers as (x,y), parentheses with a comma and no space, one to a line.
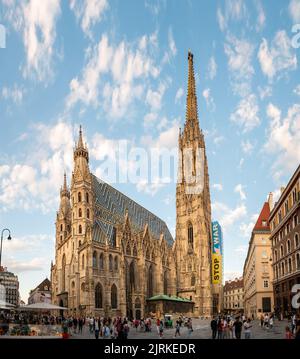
(63,216)
(193,209)
(81,194)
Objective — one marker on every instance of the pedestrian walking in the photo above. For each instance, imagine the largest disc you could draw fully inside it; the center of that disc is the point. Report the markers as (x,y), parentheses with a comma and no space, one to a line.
(161,329)
(177,329)
(96,327)
(238,328)
(214,327)
(247,328)
(288,333)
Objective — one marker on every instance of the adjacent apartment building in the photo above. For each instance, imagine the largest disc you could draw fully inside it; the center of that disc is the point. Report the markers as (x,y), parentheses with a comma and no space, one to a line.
(258,276)
(9,284)
(234,296)
(42,293)
(285,237)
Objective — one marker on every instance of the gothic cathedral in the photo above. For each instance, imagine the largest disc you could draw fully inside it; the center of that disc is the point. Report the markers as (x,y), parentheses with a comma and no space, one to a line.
(115,258)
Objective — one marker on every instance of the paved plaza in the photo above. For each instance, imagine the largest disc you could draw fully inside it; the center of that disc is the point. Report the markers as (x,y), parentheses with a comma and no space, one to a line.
(201,331)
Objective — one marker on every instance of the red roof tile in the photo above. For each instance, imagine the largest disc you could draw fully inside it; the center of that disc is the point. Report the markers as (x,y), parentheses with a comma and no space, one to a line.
(263,217)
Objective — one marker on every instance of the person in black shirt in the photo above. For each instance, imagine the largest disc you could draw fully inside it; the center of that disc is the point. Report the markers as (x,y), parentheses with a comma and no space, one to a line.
(238,328)
(214,328)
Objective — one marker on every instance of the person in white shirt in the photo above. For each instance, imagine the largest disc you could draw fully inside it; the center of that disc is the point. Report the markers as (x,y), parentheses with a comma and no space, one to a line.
(247,329)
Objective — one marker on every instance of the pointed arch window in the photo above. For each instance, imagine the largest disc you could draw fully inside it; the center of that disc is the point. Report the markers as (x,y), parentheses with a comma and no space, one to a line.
(80,212)
(63,273)
(190,236)
(79,196)
(80,229)
(61,227)
(116,263)
(82,261)
(98,296)
(114,238)
(132,275)
(166,282)
(87,197)
(193,280)
(110,262)
(128,249)
(94,259)
(88,213)
(150,282)
(135,251)
(101,261)
(114,297)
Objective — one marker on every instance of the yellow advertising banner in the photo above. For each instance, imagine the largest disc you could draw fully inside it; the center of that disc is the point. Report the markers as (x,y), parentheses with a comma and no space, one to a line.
(216,268)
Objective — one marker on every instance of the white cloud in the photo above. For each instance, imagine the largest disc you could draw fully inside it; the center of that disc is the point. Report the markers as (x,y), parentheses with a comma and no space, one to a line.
(150,188)
(14,93)
(234,10)
(212,68)
(242,160)
(261,17)
(294,10)
(246,113)
(209,99)
(218,139)
(264,92)
(172,50)
(34,184)
(247,147)
(227,216)
(283,139)
(278,57)
(128,67)
(35,264)
(154,98)
(218,186)
(89,12)
(240,190)
(246,228)
(179,94)
(239,53)
(169,200)
(39,33)
(297,90)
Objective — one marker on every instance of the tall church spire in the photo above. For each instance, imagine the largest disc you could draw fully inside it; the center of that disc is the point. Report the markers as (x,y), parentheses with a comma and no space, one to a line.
(191,100)
(81,150)
(64,192)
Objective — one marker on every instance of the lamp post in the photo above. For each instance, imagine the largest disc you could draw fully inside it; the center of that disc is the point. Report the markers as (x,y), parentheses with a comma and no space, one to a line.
(9,238)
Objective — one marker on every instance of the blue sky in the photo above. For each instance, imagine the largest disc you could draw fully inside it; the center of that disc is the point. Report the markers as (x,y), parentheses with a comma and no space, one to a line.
(119,68)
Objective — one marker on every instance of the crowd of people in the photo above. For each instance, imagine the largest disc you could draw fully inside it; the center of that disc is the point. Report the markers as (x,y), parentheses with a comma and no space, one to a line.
(228,327)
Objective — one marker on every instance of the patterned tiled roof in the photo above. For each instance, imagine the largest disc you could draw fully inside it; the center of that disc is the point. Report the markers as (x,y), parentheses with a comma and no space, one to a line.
(111,206)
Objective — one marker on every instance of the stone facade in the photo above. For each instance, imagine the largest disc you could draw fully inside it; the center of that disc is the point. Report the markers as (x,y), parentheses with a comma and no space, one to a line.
(234,296)
(258,274)
(112,254)
(285,238)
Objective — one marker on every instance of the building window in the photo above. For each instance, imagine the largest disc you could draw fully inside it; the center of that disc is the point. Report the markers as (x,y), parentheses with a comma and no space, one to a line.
(110,262)
(288,246)
(101,261)
(135,251)
(79,196)
(150,283)
(82,261)
(61,227)
(276,256)
(264,223)
(94,259)
(295,220)
(63,273)
(190,236)
(87,197)
(298,261)
(290,265)
(88,213)
(114,297)
(296,240)
(116,263)
(193,280)
(128,249)
(98,296)
(281,251)
(80,212)
(166,280)
(282,269)
(264,254)
(80,229)
(114,238)
(266,284)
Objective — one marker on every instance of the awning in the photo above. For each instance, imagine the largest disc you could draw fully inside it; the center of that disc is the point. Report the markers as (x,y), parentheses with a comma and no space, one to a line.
(41,306)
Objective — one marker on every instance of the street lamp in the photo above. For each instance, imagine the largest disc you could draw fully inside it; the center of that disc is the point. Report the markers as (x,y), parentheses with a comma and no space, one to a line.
(9,238)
